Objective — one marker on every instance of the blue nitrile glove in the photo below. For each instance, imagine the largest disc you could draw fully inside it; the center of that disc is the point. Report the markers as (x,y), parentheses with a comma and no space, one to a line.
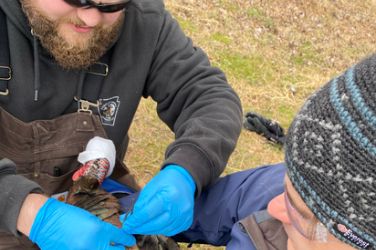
(165,205)
(61,226)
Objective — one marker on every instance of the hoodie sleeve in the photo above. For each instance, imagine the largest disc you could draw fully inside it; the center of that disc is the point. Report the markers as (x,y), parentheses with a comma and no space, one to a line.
(195,100)
(13,190)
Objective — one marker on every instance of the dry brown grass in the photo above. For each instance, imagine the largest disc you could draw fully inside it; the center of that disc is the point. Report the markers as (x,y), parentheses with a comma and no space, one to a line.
(267,49)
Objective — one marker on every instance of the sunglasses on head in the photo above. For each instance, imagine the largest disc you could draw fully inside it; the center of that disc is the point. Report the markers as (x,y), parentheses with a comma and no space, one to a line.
(102,7)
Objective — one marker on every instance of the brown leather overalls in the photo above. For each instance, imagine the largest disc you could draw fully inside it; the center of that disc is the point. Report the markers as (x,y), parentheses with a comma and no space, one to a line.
(45,151)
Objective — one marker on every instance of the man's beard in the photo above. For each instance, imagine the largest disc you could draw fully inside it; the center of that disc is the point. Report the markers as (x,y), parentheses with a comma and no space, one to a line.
(80,55)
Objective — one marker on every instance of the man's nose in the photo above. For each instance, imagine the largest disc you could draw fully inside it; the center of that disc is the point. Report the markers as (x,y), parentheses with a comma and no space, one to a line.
(90,16)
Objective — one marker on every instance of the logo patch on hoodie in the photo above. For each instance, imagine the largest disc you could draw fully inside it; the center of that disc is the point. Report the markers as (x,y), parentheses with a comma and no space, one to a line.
(108,109)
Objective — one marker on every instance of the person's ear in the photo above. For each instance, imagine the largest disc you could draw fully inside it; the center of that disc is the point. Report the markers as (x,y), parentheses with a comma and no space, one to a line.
(277,209)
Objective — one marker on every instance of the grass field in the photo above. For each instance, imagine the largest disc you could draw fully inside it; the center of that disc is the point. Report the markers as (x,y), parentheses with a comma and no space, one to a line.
(275,53)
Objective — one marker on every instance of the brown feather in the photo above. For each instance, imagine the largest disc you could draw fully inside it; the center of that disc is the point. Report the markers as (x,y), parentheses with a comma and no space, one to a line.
(87,194)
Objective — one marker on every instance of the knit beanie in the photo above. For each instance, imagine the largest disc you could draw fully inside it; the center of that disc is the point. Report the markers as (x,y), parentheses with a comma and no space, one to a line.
(330,153)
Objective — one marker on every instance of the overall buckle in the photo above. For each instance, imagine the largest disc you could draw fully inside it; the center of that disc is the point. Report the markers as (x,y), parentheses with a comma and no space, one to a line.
(99,69)
(7,77)
(84,105)
(6,68)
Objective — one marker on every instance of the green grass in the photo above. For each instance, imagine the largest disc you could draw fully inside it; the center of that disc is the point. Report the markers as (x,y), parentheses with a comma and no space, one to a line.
(222,38)
(254,69)
(187,25)
(306,55)
(258,14)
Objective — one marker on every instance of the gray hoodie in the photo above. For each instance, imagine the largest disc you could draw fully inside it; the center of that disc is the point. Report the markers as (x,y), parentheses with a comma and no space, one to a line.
(151,58)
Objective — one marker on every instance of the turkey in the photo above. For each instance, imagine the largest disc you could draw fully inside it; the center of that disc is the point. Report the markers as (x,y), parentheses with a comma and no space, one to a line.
(86,192)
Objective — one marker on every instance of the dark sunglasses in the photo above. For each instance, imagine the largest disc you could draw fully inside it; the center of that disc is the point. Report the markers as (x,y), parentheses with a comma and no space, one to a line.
(102,7)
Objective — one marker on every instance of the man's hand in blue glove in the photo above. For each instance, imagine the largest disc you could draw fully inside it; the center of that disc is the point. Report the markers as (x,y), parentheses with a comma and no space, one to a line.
(62,226)
(165,205)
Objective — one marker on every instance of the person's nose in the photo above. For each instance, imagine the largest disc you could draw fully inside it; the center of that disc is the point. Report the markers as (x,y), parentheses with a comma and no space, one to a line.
(277,209)
(91,16)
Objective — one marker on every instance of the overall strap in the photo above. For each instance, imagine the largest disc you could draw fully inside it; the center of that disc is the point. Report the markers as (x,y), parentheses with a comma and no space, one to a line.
(5,69)
(88,98)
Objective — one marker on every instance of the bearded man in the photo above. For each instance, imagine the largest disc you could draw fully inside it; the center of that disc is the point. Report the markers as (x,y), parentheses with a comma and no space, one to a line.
(100,58)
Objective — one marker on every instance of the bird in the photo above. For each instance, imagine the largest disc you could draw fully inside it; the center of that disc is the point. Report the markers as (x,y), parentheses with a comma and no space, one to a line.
(86,192)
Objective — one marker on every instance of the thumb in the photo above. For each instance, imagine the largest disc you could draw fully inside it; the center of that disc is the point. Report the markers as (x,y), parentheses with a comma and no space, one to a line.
(119,236)
(127,228)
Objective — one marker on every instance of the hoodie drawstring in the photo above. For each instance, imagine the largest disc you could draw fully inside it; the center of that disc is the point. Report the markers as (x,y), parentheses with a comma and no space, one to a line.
(36,67)
(37,71)
(102,70)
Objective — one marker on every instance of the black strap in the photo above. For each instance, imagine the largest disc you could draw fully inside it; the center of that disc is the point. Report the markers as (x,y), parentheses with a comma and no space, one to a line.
(5,70)
(270,129)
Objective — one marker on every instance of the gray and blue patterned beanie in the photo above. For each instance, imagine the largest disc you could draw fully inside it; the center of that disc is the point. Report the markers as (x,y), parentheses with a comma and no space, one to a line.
(330,153)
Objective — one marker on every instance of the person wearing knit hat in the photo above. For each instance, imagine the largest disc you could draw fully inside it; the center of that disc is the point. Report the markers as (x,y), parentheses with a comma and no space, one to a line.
(330,154)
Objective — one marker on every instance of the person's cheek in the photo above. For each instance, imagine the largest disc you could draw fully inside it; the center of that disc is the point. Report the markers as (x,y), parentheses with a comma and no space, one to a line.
(296,241)
(290,246)
(111,18)
(54,10)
